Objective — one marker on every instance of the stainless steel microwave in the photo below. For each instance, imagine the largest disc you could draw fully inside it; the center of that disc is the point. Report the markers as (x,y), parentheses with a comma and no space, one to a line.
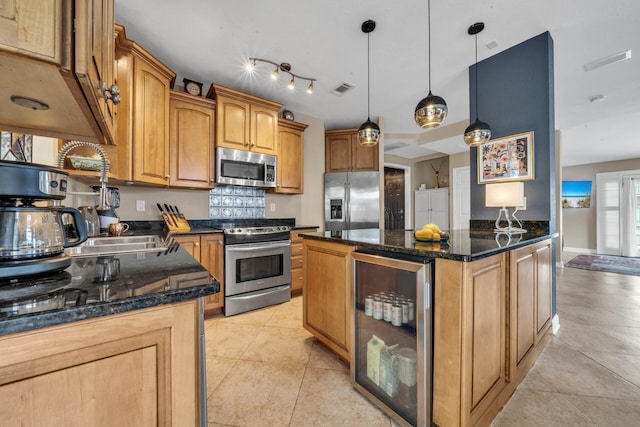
(246,168)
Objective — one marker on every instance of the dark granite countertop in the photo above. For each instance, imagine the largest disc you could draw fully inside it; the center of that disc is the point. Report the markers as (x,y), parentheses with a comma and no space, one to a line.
(103,285)
(463,245)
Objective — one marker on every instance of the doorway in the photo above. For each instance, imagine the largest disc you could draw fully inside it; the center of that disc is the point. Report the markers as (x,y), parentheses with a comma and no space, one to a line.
(394,198)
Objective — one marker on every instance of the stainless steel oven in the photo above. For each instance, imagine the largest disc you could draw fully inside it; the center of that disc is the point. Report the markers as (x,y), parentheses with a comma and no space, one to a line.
(257,267)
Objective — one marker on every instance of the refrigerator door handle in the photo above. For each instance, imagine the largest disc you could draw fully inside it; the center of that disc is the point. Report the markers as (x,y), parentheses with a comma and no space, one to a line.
(347,214)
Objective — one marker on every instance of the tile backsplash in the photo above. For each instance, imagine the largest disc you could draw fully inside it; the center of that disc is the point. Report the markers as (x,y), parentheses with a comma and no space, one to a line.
(231,201)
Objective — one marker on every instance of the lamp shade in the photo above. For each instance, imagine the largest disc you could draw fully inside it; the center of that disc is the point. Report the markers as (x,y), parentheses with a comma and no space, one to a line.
(430,111)
(504,194)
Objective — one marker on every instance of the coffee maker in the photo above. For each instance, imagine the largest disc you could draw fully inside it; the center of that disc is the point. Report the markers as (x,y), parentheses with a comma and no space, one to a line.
(33,238)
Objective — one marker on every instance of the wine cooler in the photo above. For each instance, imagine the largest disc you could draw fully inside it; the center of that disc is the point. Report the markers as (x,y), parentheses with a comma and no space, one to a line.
(391,345)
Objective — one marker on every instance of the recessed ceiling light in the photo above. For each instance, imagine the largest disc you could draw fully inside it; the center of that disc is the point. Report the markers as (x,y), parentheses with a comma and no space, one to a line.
(597,98)
(616,57)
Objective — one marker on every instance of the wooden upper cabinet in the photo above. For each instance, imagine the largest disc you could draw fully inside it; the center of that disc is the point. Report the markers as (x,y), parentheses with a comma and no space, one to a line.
(57,55)
(290,157)
(191,140)
(143,114)
(245,122)
(343,153)
(95,60)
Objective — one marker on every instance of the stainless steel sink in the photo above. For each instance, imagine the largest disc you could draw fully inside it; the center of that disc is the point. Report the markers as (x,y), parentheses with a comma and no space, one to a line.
(117,245)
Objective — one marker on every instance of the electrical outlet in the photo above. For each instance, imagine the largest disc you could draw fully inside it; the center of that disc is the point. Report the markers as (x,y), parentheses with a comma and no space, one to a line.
(524,205)
(272,207)
(140,205)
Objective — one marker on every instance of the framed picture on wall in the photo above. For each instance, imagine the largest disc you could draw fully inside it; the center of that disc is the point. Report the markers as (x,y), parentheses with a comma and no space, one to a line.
(16,147)
(576,194)
(506,159)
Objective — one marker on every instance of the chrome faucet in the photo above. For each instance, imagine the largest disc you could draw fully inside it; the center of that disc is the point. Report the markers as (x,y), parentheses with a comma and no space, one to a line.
(104,167)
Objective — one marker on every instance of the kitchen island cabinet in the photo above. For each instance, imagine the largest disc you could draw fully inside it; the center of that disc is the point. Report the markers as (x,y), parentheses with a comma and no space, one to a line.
(492,310)
(327,294)
(136,368)
(115,339)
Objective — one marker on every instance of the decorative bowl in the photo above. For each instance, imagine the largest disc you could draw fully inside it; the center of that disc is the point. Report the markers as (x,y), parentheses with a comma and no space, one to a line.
(85,163)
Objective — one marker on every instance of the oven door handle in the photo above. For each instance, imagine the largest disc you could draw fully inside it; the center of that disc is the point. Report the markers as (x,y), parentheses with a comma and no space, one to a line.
(249,247)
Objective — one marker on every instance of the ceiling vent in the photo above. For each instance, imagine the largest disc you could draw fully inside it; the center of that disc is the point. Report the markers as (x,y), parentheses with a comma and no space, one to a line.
(616,57)
(344,87)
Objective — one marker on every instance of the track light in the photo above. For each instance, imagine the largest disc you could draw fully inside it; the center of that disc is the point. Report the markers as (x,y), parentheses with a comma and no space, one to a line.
(283,66)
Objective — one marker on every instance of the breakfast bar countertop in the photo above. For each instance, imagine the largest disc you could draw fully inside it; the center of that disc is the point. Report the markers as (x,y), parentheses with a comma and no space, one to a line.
(463,245)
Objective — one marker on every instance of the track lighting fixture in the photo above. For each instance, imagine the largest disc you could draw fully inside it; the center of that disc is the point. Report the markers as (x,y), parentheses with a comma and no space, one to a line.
(285,67)
(478,132)
(369,132)
(432,110)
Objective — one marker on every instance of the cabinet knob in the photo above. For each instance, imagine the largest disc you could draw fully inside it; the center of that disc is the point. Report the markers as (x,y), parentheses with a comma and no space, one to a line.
(111,93)
(196,244)
(167,177)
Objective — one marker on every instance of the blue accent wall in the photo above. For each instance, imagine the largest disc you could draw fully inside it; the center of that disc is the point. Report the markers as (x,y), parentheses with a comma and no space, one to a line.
(516,95)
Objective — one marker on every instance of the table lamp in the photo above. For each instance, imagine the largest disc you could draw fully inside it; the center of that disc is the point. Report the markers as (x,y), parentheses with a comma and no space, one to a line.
(503,195)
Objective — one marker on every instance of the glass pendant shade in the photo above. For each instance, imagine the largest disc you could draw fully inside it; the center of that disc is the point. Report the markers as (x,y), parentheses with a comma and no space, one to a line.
(477,133)
(368,133)
(431,111)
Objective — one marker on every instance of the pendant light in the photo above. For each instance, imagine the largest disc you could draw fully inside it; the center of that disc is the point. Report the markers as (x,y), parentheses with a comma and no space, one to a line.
(432,110)
(478,132)
(369,132)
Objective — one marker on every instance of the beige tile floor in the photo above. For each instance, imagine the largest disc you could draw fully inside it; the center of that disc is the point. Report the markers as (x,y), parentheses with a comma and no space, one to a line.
(264,369)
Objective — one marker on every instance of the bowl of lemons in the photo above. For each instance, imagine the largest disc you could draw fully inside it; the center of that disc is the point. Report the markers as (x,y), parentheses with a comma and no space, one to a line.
(431,233)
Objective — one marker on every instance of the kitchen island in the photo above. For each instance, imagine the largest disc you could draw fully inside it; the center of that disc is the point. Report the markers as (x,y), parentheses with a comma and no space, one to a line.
(491,308)
(112,337)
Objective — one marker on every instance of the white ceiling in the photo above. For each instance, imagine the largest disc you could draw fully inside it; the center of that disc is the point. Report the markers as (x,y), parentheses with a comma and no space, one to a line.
(211,41)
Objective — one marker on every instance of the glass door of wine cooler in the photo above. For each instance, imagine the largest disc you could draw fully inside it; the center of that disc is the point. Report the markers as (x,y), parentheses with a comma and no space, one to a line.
(391,342)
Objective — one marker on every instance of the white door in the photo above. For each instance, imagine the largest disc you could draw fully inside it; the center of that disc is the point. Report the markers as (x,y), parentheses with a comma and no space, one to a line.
(461,197)
(432,207)
(608,213)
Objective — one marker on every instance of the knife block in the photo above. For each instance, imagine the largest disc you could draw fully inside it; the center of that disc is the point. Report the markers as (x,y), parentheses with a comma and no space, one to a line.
(175,224)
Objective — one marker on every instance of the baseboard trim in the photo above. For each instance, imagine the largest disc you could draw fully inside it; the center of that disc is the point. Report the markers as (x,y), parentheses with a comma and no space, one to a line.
(579,250)
(555,324)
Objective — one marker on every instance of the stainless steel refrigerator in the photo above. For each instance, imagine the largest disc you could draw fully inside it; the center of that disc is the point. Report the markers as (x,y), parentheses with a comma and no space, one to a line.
(351,200)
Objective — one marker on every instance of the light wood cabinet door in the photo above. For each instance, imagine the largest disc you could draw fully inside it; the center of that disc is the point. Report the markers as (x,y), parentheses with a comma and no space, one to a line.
(212,258)
(327,294)
(137,368)
(151,125)
(337,152)
(343,153)
(191,141)
(95,59)
(142,126)
(290,157)
(232,123)
(263,130)
(470,364)
(191,244)
(245,122)
(530,303)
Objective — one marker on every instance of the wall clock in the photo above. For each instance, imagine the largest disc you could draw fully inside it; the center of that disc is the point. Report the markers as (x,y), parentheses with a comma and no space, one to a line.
(194,88)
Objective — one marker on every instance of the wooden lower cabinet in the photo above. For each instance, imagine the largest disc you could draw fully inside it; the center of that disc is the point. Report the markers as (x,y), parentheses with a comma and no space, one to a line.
(208,250)
(327,304)
(136,368)
(530,304)
(492,319)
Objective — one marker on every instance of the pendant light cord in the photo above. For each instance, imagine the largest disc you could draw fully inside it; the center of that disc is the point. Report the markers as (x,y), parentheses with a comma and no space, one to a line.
(476,37)
(429,42)
(368,80)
